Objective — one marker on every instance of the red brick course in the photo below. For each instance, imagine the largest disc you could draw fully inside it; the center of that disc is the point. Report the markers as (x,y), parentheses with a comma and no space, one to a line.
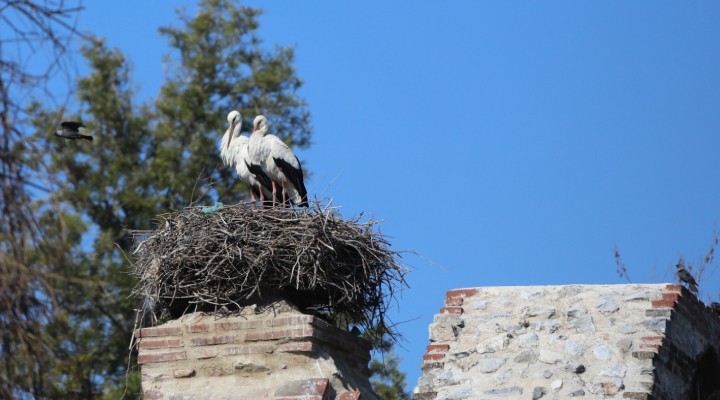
(433,357)
(161,331)
(454,301)
(161,357)
(460,293)
(252,349)
(213,340)
(160,344)
(438,348)
(451,310)
(198,328)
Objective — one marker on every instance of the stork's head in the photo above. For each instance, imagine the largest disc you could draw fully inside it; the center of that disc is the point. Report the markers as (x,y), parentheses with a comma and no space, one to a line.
(235,120)
(260,124)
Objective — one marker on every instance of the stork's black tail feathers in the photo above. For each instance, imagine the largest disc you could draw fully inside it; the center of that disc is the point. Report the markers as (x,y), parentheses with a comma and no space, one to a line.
(295,175)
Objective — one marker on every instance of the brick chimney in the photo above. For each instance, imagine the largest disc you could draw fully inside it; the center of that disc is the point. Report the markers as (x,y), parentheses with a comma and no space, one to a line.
(271,353)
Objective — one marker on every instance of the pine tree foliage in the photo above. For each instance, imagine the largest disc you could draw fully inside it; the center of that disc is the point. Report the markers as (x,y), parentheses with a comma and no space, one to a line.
(386,378)
(146,159)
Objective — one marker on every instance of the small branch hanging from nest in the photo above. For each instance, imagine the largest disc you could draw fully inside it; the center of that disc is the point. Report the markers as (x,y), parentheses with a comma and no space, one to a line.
(236,256)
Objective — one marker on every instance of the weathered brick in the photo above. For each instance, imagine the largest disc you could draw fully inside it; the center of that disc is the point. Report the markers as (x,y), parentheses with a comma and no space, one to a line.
(198,328)
(438,348)
(290,321)
(433,357)
(674,288)
(670,296)
(306,387)
(652,338)
(665,303)
(160,331)
(451,310)
(454,301)
(460,293)
(279,334)
(213,340)
(296,347)
(159,344)
(253,349)
(232,326)
(161,357)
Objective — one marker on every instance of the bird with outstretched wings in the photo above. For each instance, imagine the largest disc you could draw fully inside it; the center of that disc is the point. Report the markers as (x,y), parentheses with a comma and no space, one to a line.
(71,130)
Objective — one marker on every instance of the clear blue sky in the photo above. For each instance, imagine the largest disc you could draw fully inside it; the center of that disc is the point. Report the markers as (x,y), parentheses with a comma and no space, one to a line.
(507,143)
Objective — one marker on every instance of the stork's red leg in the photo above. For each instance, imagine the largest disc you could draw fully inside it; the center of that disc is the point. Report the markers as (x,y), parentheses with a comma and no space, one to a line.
(283,192)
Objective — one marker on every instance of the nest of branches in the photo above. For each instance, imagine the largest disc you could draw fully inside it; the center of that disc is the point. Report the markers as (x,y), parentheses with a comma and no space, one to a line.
(223,260)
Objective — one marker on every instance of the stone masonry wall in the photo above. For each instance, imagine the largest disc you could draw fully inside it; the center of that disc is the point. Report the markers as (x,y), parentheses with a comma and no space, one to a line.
(275,354)
(557,342)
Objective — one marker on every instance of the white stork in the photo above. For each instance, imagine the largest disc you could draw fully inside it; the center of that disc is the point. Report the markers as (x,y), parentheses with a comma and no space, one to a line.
(275,158)
(235,153)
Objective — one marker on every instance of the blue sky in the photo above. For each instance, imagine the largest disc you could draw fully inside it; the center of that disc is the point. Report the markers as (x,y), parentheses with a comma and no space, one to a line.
(507,143)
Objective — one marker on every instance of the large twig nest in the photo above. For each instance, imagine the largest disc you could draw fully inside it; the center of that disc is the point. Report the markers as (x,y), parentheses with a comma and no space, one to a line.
(225,260)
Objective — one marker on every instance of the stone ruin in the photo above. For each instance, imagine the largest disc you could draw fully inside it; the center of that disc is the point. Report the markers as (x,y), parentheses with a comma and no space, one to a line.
(645,341)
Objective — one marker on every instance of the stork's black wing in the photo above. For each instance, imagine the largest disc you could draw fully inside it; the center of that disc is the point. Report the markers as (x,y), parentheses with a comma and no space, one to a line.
(72,126)
(295,175)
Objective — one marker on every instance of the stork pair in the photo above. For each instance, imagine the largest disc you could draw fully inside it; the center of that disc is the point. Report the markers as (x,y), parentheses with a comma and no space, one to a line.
(263,162)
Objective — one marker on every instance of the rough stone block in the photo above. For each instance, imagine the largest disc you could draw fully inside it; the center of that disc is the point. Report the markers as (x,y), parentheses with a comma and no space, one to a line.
(445,328)
(425,396)
(183,373)
(489,365)
(602,352)
(250,367)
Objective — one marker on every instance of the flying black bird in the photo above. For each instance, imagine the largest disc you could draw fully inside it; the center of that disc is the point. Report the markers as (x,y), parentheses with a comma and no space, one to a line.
(71,130)
(685,277)
(715,307)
